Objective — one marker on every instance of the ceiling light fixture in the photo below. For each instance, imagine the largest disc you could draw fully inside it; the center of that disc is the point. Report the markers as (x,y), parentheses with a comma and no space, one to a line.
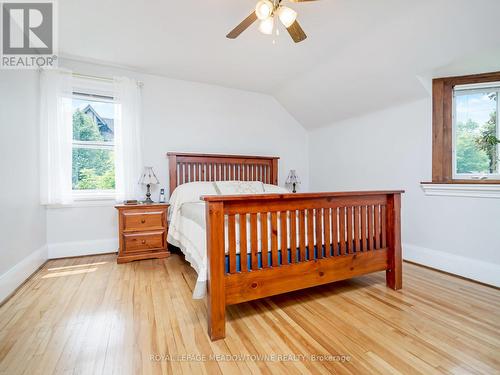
(266,11)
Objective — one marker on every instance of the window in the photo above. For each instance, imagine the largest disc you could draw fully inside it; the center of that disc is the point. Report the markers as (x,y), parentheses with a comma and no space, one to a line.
(466,135)
(476,131)
(90,137)
(93,146)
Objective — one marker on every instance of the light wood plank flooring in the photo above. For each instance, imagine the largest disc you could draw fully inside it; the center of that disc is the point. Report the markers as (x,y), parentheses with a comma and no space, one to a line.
(91,316)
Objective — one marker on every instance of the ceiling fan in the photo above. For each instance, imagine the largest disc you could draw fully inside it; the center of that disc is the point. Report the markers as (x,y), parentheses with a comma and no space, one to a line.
(267,11)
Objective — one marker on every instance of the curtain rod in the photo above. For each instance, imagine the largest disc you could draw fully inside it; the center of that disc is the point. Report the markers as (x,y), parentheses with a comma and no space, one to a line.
(97,78)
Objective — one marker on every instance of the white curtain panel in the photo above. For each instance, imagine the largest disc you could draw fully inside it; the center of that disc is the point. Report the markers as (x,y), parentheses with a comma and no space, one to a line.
(56,134)
(128,156)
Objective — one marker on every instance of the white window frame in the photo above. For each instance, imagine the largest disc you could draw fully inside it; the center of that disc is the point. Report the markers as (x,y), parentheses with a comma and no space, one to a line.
(471,88)
(95,194)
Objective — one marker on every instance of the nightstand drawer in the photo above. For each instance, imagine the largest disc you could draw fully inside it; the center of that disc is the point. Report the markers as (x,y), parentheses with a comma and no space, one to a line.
(143,220)
(147,241)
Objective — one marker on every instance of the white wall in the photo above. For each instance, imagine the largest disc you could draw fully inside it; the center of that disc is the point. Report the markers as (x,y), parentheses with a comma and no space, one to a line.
(22,219)
(190,117)
(392,149)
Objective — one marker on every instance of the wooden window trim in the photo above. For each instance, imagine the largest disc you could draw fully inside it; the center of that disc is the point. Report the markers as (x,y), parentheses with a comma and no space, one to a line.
(442,126)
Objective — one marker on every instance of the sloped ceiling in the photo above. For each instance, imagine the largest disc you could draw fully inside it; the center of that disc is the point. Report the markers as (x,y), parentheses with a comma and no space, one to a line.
(361,55)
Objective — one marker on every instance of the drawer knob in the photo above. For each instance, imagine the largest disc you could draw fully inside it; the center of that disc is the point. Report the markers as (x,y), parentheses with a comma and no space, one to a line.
(143,242)
(143,221)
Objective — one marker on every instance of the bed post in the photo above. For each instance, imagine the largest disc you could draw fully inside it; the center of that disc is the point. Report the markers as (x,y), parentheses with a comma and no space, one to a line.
(274,172)
(394,274)
(215,258)
(172,172)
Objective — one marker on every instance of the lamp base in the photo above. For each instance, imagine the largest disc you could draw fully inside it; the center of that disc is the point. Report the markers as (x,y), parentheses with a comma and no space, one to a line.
(148,195)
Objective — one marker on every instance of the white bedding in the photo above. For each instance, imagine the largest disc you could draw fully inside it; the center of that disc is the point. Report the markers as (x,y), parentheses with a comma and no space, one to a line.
(187,220)
(194,211)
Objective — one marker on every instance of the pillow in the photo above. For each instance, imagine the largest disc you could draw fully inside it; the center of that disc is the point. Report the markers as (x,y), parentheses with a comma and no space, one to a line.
(275,189)
(239,187)
(188,193)
(191,192)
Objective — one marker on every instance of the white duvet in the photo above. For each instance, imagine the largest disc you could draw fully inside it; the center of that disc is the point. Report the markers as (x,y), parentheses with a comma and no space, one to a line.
(187,220)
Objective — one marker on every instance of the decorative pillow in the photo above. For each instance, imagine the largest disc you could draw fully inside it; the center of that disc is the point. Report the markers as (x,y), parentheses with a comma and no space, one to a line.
(239,187)
(271,189)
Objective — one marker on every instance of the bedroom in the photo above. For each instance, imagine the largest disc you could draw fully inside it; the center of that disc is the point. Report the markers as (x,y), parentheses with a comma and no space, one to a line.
(352,108)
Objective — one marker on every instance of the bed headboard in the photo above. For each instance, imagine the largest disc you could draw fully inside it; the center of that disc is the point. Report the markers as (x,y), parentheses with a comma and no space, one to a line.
(185,167)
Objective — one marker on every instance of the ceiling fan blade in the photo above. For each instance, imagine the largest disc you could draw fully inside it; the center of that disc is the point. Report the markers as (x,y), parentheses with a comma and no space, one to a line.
(242,26)
(296,32)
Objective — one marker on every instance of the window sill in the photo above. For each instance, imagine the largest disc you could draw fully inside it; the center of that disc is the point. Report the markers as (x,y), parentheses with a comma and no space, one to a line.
(85,203)
(87,199)
(474,190)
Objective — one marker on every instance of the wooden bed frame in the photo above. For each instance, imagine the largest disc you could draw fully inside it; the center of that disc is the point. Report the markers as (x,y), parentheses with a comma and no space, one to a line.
(350,234)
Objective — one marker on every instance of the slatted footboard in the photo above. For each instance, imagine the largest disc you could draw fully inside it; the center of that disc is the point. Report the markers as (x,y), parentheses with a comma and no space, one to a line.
(263,245)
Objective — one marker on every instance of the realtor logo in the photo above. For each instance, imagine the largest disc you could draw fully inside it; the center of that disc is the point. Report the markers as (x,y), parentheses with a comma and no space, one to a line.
(28,37)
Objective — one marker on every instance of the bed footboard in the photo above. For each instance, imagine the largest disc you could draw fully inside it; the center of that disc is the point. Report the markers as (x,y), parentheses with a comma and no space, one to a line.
(262,245)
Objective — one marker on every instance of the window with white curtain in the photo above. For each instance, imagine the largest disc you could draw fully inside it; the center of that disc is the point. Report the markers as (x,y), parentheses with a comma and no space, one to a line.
(90,138)
(93,142)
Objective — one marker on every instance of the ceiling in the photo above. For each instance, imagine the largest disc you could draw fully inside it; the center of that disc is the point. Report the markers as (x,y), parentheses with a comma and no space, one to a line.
(361,55)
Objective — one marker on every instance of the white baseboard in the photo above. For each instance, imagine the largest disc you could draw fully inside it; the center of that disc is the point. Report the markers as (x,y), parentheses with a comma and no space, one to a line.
(14,277)
(485,272)
(80,248)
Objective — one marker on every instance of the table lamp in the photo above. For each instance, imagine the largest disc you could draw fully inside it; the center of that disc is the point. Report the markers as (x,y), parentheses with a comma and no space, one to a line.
(148,178)
(293,180)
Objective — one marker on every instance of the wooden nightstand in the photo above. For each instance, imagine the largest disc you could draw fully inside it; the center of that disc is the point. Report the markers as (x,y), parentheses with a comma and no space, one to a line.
(142,231)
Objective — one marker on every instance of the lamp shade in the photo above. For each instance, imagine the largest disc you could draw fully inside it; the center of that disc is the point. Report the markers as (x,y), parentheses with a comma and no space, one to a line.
(263,9)
(287,16)
(292,178)
(266,26)
(148,177)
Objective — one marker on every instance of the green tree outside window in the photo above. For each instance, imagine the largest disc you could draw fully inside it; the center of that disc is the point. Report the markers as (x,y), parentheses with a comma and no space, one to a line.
(93,169)
(477,145)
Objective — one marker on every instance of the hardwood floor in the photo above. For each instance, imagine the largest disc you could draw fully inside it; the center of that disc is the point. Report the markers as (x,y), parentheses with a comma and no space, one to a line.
(91,316)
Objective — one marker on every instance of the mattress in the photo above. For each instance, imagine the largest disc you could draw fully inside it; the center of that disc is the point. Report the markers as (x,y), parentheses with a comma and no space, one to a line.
(195,213)
(308,256)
